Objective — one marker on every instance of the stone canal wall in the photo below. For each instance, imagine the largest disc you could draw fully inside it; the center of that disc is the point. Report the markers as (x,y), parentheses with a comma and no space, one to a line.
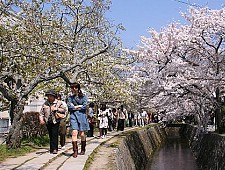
(137,147)
(208,148)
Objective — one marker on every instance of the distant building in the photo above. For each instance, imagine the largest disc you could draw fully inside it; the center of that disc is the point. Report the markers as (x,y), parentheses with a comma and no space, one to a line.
(33,106)
(4,122)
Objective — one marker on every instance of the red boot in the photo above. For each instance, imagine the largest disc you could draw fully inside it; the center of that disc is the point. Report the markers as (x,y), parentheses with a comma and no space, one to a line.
(75,149)
(83,146)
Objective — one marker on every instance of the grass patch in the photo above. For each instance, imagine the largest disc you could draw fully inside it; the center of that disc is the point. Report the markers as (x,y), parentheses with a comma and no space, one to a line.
(113,145)
(27,146)
(150,125)
(91,158)
(38,141)
(13,153)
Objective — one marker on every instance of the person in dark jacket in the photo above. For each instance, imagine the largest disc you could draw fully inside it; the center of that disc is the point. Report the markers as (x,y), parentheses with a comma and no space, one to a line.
(91,120)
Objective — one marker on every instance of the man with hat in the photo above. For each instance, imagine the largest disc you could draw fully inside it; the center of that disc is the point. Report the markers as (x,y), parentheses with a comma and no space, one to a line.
(49,116)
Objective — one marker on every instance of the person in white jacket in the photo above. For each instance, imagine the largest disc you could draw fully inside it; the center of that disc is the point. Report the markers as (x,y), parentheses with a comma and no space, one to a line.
(103,121)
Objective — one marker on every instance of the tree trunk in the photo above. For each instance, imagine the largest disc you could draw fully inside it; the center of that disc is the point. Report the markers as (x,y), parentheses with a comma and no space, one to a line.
(11,110)
(218,112)
(14,137)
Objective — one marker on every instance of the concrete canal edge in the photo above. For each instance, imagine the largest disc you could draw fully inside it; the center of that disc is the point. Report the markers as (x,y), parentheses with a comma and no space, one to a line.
(136,149)
(131,150)
(208,147)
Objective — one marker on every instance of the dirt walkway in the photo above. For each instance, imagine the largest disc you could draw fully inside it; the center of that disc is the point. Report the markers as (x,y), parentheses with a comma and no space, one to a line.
(103,157)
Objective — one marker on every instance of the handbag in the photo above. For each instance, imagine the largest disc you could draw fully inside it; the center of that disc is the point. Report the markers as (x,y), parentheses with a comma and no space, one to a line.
(92,120)
(59,115)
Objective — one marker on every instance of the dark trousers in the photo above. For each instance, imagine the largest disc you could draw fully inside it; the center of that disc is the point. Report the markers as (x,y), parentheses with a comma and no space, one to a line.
(90,133)
(53,130)
(121,124)
(110,124)
(62,132)
(130,122)
(104,131)
(114,124)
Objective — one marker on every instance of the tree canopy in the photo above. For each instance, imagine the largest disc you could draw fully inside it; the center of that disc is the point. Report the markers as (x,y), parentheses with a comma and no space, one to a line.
(44,40)
(182,66)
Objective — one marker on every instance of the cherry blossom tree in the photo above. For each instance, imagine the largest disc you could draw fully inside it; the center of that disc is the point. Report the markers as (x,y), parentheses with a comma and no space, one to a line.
(184,66)
(46,40)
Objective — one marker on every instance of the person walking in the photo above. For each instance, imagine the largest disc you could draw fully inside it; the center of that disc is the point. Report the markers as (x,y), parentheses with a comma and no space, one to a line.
(77,103)
(121,118)
(115,116)
(91,120)
(49,115)
(103,121)
(143,118)
(62,124)
(110,120)
(130,118)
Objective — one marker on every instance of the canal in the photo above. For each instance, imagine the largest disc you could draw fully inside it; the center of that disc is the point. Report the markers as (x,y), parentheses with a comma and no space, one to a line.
(175,154)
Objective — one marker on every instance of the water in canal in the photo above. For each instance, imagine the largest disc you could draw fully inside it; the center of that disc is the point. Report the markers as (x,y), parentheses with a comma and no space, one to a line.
(174,155)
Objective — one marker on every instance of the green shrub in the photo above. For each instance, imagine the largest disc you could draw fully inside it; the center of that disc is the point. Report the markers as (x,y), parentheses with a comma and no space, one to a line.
(37,141)
(31,126)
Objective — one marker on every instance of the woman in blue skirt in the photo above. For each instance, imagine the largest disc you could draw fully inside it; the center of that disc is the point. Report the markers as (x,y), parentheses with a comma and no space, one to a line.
(77,104)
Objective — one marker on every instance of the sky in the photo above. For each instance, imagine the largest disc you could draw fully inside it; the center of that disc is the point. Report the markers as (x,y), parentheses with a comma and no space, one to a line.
(138,16)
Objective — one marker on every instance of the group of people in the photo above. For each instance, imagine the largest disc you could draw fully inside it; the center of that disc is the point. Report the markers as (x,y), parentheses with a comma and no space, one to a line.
(106,119)
(54,113)
(143,118)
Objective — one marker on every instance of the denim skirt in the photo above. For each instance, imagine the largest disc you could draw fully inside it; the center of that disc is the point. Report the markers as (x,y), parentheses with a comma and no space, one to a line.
(79,121)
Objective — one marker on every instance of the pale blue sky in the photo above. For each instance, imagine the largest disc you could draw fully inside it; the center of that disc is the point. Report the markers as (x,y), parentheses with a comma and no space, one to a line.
(137,16)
